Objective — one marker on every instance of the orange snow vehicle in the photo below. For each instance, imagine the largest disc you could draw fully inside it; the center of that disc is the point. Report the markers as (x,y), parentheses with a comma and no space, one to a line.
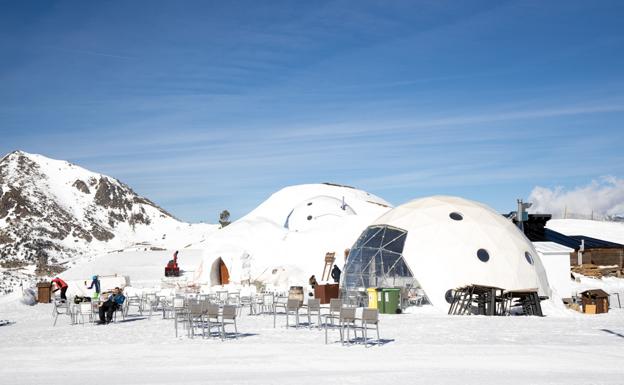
(172,269)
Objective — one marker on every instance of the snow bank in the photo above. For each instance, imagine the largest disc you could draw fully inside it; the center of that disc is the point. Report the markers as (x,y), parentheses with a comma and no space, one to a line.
(144,269)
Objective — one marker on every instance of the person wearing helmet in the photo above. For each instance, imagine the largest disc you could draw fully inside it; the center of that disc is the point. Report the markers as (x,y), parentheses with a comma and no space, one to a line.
(95,283)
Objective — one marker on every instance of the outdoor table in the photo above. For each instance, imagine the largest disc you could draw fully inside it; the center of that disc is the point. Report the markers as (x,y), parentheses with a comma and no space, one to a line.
(486,298)
(527,298)
(74,310)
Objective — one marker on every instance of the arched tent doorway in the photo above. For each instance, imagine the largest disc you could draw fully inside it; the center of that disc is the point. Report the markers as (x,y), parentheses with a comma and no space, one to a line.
(219,273)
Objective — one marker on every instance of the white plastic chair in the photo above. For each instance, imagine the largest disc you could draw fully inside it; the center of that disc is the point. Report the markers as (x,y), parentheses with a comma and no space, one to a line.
(268,303)
(180,313)
(84,309)
(135,300)
(222,297)
(228,318)
(61,308)
(335,305)
(292,308)
(150,300)
(196,318)
(212,318)
(234,299)
(314,307)
(347,323)
(123,309)
(370,320)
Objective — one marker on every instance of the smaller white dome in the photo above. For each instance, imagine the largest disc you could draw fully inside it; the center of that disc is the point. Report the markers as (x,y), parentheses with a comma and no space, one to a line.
(316,211)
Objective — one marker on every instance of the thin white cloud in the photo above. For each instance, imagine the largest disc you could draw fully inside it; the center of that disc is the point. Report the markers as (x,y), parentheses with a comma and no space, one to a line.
(459,120)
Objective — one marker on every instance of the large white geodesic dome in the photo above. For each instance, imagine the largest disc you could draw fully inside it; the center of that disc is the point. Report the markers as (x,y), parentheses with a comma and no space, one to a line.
(441,243)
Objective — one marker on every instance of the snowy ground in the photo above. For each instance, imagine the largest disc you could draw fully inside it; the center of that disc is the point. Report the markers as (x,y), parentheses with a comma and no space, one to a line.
(422,347)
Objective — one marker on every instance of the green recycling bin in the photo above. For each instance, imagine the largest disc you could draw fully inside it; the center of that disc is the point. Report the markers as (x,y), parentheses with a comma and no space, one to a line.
(391,301)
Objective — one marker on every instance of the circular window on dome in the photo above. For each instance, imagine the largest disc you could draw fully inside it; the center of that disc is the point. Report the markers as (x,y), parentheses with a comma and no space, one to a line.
(448,296)
(483,255)
(456,216)
(309,203)
(528,257)
(309,217)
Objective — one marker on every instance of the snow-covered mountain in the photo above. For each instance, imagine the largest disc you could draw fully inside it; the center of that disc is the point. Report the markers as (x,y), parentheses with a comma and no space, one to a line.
(52,212)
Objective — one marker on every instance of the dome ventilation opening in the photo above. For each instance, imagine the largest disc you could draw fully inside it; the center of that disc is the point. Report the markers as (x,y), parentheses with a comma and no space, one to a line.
(456,216)
(483,255)
(529,257)
(449,295)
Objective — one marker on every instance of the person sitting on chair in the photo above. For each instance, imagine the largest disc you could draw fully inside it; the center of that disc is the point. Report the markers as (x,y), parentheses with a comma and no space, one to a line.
(114,302)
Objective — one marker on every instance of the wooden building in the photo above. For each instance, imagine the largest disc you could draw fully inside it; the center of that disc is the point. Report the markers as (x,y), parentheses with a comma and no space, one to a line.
(595,301)
(593,251)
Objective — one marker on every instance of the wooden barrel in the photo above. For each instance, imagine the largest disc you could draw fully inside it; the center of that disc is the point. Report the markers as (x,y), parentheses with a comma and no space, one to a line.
(296,292)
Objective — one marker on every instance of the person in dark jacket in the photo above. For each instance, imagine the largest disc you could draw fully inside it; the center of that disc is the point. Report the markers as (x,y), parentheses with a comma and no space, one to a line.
(60,285)
(335,274)
(95,283)
(114,302)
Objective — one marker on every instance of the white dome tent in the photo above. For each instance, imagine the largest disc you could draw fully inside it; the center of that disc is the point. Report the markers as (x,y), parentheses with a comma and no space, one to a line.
(441,243)
(283,241)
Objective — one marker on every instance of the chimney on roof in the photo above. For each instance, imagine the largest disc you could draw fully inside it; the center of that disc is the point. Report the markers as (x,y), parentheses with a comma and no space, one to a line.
(522,215)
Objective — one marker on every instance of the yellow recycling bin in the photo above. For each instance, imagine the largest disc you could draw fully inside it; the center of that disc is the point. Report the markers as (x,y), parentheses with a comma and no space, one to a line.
(372,297)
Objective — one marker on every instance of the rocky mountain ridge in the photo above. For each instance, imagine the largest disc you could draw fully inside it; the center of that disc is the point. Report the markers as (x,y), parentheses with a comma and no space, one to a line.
(52,212)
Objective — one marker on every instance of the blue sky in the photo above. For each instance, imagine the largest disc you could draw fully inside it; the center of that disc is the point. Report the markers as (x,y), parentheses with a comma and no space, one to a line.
(203,106)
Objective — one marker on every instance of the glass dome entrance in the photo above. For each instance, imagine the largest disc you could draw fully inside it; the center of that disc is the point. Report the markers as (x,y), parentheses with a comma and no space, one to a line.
(376,260)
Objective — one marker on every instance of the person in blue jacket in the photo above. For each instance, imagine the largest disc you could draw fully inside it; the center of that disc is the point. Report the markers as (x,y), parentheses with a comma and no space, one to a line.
(95,283)
(114,302)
